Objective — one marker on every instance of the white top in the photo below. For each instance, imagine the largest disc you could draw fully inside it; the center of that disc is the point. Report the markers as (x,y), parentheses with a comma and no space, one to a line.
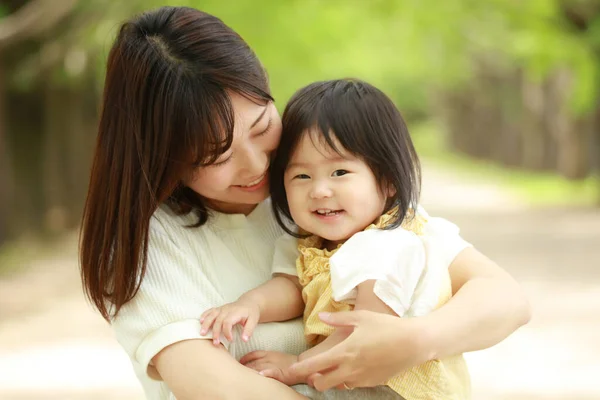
(192,269)
(408,269)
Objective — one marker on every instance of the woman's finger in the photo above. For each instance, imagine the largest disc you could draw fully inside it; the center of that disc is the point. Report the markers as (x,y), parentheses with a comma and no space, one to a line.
(332,379)
(342,318)
(327,360)
(252,356)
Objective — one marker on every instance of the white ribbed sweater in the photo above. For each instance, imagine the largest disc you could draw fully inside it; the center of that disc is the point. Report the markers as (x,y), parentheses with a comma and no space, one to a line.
(192,269)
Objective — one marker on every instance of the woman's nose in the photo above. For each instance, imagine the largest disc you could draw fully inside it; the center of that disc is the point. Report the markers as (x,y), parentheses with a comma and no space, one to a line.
(256,160)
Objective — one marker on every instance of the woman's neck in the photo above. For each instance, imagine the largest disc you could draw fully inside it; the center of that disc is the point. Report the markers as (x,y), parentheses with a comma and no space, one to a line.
(231,208)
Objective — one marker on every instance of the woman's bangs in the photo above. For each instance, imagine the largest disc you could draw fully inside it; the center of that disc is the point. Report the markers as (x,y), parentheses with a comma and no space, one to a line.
(209,131)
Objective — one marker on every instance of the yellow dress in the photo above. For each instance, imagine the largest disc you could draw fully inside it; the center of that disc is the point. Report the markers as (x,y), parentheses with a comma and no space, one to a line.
(445,379)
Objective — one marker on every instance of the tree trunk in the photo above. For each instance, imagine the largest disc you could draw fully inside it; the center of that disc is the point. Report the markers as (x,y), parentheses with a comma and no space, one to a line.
(25,131)
(509,147)
(573,139)
(533,129)
(80,131)
(6,185)
(56,109)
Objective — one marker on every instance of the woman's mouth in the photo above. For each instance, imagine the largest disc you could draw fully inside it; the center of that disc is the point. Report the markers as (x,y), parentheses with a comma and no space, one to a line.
(255,184)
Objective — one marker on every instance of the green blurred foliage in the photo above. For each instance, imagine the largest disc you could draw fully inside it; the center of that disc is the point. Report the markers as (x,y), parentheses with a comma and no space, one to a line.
(404,46)
(407,47)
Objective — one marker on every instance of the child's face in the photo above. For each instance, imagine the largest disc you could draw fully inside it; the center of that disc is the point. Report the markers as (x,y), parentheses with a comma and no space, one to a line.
(331,196)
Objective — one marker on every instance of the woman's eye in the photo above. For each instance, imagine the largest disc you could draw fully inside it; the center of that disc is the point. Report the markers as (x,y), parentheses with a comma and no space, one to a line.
(339,172)
(218,164)
(301,176)
(267,129)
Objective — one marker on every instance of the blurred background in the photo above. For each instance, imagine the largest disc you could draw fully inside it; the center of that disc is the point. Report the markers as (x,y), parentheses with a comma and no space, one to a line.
(502,100)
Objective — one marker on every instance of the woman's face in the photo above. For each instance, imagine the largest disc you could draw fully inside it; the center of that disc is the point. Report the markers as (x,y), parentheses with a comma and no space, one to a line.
(239,179)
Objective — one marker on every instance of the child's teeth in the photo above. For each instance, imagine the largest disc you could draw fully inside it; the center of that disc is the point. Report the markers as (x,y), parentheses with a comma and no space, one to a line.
(326,212)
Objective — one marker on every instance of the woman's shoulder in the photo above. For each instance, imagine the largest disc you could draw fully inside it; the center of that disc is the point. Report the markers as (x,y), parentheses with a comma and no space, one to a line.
(179,230)
(165,215)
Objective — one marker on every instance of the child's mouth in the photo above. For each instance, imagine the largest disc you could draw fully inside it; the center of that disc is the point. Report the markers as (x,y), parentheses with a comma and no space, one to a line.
(325,212)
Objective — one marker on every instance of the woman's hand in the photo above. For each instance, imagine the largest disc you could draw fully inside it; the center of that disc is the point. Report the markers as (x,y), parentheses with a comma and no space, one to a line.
(222,319)
(378,349)
(273,364)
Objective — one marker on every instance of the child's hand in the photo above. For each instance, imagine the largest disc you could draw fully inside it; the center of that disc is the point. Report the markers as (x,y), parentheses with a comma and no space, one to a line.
(273,364)
(222,319)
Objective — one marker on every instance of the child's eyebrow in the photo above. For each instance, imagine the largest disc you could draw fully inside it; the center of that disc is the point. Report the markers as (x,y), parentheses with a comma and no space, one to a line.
(326,161)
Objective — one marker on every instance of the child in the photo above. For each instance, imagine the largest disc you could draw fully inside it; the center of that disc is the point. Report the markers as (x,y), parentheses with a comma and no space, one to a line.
(346,173)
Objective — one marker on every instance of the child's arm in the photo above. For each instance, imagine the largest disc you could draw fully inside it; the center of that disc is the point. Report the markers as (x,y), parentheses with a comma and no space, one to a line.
(278,299)
(365,300)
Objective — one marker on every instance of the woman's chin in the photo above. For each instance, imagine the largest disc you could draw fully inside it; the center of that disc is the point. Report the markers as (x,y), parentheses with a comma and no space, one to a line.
(242,202)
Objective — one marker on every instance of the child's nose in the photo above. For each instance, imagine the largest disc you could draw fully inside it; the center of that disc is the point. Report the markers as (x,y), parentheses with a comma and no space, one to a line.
(320,190)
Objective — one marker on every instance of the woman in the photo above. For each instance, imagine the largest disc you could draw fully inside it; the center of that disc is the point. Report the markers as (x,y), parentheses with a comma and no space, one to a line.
(176,222)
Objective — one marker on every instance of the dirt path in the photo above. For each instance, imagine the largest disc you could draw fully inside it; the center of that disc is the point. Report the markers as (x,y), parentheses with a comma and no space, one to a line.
(53,346)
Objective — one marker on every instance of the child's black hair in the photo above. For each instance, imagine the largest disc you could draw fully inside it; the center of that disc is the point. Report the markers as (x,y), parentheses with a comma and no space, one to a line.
(366,123)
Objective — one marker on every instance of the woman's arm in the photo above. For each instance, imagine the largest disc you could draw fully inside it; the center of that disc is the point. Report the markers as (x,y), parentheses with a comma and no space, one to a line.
(487,306)
(195,369)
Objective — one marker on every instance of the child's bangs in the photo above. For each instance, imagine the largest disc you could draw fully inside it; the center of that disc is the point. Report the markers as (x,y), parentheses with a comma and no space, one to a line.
(339,128)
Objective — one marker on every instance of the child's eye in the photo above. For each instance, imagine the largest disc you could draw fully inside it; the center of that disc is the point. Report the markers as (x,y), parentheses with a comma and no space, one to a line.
(339,172)
(301,176)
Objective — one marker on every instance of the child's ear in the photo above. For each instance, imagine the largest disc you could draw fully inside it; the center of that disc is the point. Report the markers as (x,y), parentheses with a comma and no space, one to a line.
(390,190)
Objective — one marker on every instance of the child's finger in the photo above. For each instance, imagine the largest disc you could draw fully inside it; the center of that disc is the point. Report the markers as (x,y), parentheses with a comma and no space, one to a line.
(205,313)
(208,321)
(249,326)
(217,329)
(252,356)
(274,373)
(228,324)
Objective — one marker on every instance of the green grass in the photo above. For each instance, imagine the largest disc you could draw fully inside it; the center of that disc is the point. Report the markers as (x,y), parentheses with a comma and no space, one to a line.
(534,188)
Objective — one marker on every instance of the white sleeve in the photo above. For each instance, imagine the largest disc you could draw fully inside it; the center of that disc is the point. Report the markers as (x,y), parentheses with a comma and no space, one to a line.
(173,294)
(395,259)
(285,256)
(442,240)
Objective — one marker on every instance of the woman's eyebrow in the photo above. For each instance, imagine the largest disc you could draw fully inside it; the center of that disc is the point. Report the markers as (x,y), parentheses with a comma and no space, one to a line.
(259,117)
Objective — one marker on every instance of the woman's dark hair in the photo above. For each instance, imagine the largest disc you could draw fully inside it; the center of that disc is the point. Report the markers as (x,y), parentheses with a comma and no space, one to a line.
(366,123)
(166,110)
